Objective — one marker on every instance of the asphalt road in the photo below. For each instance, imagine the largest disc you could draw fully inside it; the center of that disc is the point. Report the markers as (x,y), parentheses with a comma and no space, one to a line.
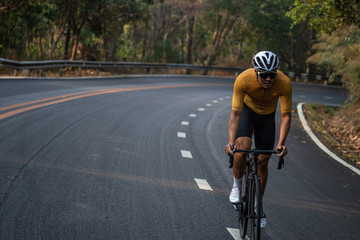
(142,158)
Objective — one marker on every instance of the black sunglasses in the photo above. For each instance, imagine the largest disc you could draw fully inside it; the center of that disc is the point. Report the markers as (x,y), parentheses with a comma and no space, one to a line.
(265,75)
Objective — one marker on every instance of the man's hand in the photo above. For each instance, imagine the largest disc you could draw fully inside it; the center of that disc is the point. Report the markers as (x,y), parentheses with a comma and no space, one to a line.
(229,149)
(283,150)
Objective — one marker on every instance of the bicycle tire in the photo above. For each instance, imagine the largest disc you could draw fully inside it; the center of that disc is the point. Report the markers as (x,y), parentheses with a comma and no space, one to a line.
(243,210)
(255,209)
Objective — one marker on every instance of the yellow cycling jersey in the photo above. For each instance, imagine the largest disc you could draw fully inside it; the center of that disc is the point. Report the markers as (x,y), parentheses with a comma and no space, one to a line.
(263,101)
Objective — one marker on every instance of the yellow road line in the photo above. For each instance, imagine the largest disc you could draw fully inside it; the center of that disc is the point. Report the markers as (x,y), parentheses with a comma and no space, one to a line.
(45,99)
(73,96)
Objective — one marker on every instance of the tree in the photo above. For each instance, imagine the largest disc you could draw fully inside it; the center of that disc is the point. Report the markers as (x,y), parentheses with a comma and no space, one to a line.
(270,29)
(108,22)
(338,49)
(11,5)
(338,17)
(326,16)
(64,13)
(219,20)
(340,54)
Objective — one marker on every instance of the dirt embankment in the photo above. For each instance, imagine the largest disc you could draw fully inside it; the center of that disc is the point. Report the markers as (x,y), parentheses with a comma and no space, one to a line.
(338,128)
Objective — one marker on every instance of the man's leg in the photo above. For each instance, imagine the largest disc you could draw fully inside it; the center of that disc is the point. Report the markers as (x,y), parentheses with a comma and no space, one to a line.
(263,161)
(239,167)
(240,157)
(264,135)
(243,141)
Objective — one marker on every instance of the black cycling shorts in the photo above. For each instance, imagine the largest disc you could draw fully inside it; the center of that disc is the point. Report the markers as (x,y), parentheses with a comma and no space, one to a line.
(261,126)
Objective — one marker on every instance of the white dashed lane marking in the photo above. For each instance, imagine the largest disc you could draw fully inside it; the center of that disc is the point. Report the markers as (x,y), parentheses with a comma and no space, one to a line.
(181,135)
(186,154)
(328,98)
(235,233)
(203,184)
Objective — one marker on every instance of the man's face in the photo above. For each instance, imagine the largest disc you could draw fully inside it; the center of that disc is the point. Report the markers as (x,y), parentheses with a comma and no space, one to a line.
(266,79)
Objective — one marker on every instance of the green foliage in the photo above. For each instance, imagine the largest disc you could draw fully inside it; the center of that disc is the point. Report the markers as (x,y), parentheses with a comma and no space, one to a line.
(338,48)
(270,29)
(222,32)
(325,16)
(340,53)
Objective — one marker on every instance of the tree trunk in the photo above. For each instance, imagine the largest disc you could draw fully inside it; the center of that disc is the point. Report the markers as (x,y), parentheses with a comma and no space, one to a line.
(76,34)
(146,35)
(61,30)
(189,41)
(40,47)
(219,39)
(54,45)
(74,45)
(67,41)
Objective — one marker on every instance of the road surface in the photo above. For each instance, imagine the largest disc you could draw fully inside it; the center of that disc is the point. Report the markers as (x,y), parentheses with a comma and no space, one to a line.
(142,158)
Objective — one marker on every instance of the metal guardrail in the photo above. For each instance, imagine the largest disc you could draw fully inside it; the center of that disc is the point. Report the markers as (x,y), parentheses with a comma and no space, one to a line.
(29,65)
(61,64)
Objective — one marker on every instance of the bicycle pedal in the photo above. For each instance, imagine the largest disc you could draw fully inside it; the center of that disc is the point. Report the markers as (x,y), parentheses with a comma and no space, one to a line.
(236,206)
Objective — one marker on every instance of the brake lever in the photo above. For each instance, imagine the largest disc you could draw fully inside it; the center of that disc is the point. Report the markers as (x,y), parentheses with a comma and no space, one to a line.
(281,160)
(231,161)
(281,163)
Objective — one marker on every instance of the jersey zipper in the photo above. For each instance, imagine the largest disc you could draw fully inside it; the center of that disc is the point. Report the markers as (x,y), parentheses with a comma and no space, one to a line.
(262,98)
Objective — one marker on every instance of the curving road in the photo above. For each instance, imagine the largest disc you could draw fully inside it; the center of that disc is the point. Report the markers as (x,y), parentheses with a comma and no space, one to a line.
(142,158)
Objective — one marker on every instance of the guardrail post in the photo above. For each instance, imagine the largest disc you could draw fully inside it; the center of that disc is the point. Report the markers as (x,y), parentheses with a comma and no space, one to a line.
(61,72)
(97,72)
(15,72)
(42,73)
(291,74)
(26,72)
(305,76)
(79,71)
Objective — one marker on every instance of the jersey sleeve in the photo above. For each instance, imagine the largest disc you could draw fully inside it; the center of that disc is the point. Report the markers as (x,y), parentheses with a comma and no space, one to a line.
(286,97)
(239,94)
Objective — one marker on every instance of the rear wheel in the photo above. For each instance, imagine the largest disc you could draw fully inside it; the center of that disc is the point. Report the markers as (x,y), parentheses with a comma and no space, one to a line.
(255,208)
(244,209)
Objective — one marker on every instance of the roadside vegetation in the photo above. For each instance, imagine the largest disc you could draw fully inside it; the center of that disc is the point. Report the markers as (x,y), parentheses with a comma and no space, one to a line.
(335,129)
(337,51)
(309,36)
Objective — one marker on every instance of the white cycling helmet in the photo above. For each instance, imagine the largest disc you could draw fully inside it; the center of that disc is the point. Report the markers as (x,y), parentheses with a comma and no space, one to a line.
(266,61)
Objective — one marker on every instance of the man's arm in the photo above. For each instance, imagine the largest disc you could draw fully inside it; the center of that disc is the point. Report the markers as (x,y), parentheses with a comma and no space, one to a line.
(233,127)
(284,130)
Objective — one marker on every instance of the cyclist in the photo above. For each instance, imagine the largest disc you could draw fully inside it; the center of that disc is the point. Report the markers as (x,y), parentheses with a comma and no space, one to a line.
(255,98)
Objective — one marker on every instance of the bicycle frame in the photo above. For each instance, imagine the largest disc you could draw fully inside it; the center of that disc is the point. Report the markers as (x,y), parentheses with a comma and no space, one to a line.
(251,193)
(256,151)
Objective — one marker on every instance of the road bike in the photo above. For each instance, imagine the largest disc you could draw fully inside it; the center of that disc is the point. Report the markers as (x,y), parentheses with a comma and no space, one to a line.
(250,206)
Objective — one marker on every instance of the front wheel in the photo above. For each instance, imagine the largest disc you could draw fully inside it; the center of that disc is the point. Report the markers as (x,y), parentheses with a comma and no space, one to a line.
(244,209)
(255,208)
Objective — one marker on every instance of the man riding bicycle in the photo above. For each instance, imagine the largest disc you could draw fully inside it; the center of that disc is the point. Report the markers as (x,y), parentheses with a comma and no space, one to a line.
(254,103)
